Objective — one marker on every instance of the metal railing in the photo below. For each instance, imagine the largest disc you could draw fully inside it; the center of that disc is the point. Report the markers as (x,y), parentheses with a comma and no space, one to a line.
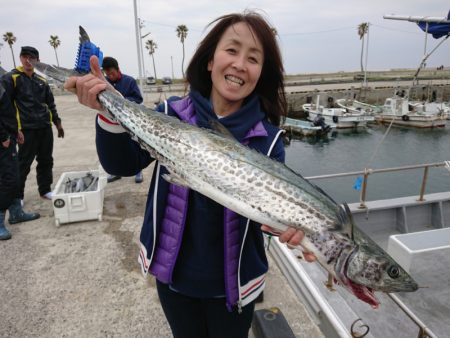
(424,331)
(367,171)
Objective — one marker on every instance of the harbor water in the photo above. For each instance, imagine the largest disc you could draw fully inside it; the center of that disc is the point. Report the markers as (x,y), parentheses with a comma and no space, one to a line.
(353,150)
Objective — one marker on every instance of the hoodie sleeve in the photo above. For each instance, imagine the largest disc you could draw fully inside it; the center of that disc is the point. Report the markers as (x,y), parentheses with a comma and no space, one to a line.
(4,135)
(278,152)
(50,101)
(133,93)
(118,153)
(7,116)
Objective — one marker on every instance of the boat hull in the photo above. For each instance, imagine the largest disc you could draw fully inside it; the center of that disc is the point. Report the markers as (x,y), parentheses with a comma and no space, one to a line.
(304,128)
(342,119)
(412,121)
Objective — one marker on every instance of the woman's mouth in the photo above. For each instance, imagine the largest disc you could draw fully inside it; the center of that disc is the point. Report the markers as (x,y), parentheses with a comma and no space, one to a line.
(234,81)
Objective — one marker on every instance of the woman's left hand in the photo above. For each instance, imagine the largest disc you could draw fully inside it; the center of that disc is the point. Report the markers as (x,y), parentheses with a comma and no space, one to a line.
(292,237)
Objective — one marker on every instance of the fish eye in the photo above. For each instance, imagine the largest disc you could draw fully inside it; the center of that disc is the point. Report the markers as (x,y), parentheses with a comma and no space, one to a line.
(393,271)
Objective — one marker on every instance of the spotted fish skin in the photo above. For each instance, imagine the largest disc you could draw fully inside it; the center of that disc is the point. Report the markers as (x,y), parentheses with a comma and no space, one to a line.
(261,189)
(230,173)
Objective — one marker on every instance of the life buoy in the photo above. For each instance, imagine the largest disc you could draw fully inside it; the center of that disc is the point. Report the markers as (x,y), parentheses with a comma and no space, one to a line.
(335,119)
(405,118)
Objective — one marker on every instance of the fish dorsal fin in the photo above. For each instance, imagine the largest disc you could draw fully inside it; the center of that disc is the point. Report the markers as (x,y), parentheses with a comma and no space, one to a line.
(220,129)
(346,219)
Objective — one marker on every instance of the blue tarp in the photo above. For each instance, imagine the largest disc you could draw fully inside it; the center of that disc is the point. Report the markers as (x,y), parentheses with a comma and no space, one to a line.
(438,30)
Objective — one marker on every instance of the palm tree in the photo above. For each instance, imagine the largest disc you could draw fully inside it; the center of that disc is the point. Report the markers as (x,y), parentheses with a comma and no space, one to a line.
(55,42)
(182,34)
(152,46)
(362,31)
(10,39)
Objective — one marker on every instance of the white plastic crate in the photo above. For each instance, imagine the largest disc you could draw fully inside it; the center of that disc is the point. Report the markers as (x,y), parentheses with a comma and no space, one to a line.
(78,206)
(413,249)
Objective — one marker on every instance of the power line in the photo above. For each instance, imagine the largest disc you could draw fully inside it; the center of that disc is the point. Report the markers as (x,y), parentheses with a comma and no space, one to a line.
(170,26)
(319,32)
(397,30)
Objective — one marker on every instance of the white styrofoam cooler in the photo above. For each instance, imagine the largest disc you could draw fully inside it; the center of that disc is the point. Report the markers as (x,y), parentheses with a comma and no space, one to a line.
(78,206)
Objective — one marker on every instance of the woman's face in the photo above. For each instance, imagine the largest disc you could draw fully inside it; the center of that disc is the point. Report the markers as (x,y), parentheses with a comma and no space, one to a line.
(235,67)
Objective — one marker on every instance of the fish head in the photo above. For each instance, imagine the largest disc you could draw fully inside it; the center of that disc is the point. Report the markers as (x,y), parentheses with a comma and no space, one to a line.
(373,267)
(365,270)
(360,291)
(368,268)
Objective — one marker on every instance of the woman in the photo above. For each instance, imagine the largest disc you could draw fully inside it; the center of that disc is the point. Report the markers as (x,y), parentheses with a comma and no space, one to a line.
(208,261)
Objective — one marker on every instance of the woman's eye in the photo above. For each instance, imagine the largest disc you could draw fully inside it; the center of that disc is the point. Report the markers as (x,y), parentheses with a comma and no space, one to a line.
(231,50)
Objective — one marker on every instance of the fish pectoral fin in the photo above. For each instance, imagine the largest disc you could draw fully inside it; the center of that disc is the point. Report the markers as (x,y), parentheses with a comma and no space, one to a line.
(329,283)
(174,179)
(220,129)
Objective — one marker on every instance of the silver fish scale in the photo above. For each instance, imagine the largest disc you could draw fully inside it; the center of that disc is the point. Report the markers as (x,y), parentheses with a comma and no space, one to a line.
(222,169)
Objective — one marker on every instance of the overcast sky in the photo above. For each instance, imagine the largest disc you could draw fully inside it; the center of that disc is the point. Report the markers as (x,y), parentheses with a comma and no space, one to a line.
(315,35)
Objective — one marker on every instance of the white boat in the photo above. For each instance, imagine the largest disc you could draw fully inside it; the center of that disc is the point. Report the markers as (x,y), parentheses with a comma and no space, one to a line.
(402,112)
(343,118)
(440,108)
(306,128)
(355,106)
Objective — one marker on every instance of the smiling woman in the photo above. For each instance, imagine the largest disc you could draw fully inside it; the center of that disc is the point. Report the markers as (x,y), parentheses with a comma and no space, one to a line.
(209,261)
(235,68)
(252,35)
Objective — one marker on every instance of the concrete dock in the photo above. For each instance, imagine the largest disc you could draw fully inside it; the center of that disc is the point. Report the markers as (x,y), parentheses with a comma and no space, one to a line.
(82,279)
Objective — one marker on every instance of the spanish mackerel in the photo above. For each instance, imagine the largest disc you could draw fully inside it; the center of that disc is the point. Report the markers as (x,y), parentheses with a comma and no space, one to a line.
(261,189)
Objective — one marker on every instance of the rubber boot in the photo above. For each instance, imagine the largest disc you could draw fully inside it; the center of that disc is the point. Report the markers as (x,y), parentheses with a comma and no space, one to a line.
(17,215)
(4,233)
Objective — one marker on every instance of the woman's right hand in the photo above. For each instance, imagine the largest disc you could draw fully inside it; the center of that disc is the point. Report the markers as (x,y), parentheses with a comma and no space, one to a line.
(87,87)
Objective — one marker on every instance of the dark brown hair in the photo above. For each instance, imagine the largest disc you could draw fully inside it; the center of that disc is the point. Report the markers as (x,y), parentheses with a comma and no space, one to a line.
(270,86)
(110,62)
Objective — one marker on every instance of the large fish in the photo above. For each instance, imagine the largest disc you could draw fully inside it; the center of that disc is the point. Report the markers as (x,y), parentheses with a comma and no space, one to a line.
(261,189)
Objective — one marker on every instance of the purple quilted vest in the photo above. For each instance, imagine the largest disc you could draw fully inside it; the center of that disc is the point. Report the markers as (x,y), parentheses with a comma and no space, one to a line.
(173,223)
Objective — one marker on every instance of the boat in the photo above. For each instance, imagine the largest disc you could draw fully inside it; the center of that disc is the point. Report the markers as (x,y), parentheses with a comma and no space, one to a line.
(355,106)
(307,128)
(402,112)
(440,108)
(343,118)
(415,231)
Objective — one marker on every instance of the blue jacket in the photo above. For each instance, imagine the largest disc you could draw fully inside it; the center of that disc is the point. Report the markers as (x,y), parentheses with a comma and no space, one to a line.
(242,254)
(127,86)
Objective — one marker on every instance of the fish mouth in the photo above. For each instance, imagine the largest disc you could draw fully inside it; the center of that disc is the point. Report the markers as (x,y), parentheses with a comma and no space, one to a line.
(361,292)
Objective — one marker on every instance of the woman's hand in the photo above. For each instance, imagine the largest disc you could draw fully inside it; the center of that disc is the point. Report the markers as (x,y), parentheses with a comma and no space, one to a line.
(89,86)
(292,237)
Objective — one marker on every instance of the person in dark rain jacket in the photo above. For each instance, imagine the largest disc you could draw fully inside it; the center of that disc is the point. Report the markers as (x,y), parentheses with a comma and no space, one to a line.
(36,112)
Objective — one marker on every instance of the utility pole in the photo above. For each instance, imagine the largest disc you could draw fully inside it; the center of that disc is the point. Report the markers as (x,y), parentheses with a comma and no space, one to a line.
(1,45)
(171,61)
(141,24)
(138,43)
